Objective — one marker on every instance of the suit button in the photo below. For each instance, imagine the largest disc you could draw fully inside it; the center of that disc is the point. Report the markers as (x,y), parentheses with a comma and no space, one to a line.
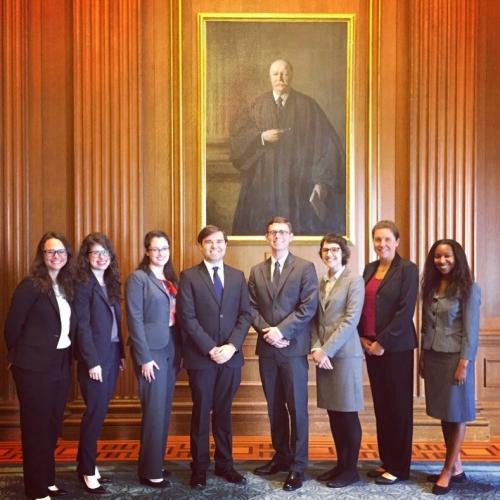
(221,315)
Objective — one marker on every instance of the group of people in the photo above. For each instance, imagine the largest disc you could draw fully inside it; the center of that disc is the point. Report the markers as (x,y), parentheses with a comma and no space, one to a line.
(71,307)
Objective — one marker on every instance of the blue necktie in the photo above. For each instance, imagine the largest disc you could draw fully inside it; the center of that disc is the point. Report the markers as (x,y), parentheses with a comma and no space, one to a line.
(217,284)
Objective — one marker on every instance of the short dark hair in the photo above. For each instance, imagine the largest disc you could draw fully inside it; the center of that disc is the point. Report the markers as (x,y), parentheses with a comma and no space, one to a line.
(278,219)
(341,242)
(168,268)
(460,277)
(386,224)
(208,230)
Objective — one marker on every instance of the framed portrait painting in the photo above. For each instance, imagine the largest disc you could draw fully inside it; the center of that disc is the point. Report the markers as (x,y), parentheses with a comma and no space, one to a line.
(275,100)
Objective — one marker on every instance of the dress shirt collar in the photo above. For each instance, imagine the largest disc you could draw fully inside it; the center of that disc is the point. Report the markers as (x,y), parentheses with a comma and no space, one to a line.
(220,269)
(284,98)
(335,277)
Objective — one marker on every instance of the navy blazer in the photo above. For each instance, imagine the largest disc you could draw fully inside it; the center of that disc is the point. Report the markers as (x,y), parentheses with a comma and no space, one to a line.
(395,305)
(95,321)
(291,309)
(205,322)
(33,327)
(148,315)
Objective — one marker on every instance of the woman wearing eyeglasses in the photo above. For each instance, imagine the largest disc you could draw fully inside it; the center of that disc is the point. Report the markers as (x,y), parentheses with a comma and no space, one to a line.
(99,346)
(150,297)
(39,331)
(338,356)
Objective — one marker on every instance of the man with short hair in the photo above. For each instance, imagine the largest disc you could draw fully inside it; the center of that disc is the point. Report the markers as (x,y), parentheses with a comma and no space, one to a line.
(284,298)
(215,315)
(291,160)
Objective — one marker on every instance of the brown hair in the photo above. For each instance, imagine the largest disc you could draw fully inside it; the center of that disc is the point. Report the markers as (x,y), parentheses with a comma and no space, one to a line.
(386,224)
(341,242)
(279,220)
(168,268)
(207,231)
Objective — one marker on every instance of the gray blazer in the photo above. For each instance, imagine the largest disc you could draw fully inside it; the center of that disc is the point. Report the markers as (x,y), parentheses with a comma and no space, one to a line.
(446,327)
(148,315)
(291,309)
(334,329)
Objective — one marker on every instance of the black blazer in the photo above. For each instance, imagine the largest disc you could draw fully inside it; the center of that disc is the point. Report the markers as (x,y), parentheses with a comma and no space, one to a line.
(95,320)
(291,309)
(33,327)
(395,305)
(205,322)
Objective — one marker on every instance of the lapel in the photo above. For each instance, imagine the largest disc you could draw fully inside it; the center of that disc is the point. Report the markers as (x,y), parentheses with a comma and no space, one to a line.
(392,269)
(287,269)
(207,280)
(53,300)
(265,270)
(228,284)
(157,282)
(335,289)
(100,291)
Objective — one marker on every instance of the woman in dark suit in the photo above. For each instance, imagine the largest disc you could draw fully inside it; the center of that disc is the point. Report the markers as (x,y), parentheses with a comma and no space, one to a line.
(450,333)
(338,356)
(150,296)
(388,338)
(38,331)
(99,346)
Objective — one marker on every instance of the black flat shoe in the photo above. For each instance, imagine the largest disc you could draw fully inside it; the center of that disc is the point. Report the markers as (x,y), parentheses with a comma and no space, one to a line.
(386,481)
(271,467)
(293,481)
(330,474)
(232,476)
(441,490)
(458,478)
(152,484)
(198,480)
(60,492)
(340,482)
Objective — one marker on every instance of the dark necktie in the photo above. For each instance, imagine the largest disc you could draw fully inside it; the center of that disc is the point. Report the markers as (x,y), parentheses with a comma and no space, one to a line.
(276,275)
(217,284)
(279,105)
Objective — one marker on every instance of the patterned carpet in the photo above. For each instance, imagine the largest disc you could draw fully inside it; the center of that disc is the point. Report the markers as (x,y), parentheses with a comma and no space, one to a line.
(252,448)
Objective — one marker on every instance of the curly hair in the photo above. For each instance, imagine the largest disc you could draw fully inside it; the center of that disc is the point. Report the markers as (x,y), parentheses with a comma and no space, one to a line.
(39,272)
(341,242)
(168,268)
(460,281)
(111,274)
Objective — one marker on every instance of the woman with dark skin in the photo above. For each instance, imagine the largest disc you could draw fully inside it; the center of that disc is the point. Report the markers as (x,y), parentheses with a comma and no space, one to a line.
(39,333)
(450,332)
(99,351)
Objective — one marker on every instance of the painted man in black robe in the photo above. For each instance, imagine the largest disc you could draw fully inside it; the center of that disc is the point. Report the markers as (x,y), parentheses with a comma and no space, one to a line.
(291,160)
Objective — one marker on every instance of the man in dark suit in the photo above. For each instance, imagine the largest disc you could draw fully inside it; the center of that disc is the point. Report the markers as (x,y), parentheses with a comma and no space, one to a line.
(284,297)
(215,316)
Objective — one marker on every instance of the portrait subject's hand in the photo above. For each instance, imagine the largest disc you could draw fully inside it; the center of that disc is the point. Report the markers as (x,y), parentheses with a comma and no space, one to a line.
(272,135)
(148,370)
(376,349)
(321,190)
(95,373)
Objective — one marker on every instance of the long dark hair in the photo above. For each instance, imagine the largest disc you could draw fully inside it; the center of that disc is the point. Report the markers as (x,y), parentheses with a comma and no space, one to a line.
(168,268)
(111,274)
(40,274)
(460,280)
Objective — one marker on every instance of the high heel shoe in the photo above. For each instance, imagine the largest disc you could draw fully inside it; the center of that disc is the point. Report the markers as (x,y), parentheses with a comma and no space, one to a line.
(100,490)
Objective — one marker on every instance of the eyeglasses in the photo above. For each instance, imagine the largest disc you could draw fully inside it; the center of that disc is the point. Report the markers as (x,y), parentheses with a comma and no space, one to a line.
(99,253)
(159,250)
(52,253)
(331,250)
(280,232)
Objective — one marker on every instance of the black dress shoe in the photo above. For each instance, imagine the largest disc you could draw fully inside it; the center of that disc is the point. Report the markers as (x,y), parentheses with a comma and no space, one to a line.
(60,492)
(160,484)
(330,474)
(293,481)
(271,467)
(457,478)
(198,480)
(441,490)
(341,481)
(231,475)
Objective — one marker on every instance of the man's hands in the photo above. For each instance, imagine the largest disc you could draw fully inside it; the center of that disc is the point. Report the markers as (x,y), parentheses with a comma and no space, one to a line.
(273,336)
(222,354)
(272,135)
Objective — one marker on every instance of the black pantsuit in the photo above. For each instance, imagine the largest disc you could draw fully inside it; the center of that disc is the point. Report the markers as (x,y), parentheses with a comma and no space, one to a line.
(391,381)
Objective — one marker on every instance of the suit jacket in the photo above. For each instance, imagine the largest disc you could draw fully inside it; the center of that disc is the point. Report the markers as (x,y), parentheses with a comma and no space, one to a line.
(95,321)
(395,305)
(205,322)
(33,327)
(148,315)
(334,328)
(291,309)
(447,327)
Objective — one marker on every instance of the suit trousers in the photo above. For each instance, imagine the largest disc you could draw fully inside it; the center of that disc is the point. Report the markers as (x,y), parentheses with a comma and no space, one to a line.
(156,403)
(346,432)
(42,399)
(284,380)
(213,390)
(97,396)
(391,381)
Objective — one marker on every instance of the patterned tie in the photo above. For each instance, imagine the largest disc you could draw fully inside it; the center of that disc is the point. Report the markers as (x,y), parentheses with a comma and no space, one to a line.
(276,275)
(279,105)
(217,284)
